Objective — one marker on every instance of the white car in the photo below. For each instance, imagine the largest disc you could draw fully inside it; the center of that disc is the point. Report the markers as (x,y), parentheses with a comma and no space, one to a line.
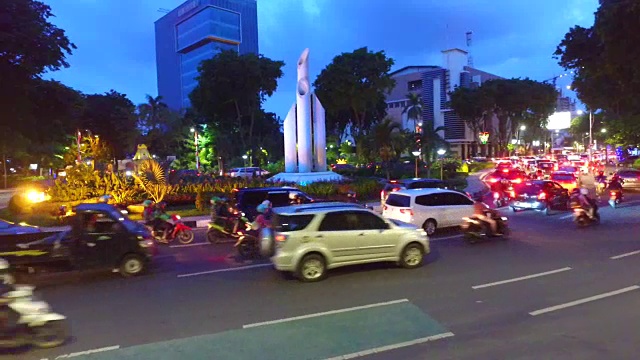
(311,239)
(428,208)
(247,172)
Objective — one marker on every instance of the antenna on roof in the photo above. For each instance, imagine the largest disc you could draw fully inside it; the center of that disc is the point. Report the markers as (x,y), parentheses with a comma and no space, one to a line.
(469,42)
(164,11)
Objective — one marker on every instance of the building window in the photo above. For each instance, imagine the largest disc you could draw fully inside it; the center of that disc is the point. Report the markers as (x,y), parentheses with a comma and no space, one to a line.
(414,85)
(209,23)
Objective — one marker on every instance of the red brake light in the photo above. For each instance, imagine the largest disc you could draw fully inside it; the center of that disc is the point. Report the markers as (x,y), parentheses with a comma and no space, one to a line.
(613,193)
(505,170)
(496,195)
(542,196)
(492,180)
(517,181)
(406,211)
(512,194)
(281,238)
(395,189)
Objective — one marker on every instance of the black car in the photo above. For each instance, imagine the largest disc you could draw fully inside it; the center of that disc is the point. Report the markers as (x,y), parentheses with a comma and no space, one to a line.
(247,199)
(100,237)
(540,195)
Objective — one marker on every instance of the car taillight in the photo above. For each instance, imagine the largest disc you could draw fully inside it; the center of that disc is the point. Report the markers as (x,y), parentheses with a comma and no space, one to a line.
(512,194)
(555,167)
(505,170)
(406,211)
(496,195)
(281,238)
(542,196)
(395,189)
(517,181)
(493,180)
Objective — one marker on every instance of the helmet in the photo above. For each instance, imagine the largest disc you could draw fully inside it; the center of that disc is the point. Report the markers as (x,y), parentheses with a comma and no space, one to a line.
(147,203)
(215,199)
(266,203)
(261,208)
(105,198)
(584,191)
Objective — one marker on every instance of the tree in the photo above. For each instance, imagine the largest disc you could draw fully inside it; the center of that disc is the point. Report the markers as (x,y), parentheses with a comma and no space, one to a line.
(150,177)
(413,109)
(603,60)
(431,142)
(152,114)
(474,107)
(112,117)
(230,93)
(353,89)
(382,135)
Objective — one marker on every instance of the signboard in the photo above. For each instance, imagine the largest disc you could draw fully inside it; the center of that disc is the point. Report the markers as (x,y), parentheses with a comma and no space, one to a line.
(559,121)
(484,137)
(188,7)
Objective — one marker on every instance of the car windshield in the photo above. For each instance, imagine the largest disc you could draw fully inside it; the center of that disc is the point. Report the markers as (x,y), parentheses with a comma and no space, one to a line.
(545,165)
(569,169)
(528,188)
(562,177)
(399,200)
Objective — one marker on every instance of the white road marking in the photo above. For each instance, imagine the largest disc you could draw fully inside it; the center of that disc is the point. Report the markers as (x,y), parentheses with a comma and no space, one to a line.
(585,300)
(87,352)
(189,245)
(446,237)
(325,313)
(239,268)
(625,255)
(532,276)
(392,347)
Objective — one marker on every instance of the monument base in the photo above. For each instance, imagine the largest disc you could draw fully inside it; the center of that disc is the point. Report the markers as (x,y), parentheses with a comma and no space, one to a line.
(306,178)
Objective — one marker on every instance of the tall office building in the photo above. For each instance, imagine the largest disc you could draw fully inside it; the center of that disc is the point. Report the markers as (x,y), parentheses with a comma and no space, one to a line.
(195,31)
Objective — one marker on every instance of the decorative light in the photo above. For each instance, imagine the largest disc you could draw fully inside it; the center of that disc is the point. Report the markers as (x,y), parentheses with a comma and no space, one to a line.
(341,161)
(484,137)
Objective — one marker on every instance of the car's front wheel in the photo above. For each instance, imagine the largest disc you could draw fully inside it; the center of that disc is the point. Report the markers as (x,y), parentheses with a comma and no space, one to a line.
(312,268)
(412,256)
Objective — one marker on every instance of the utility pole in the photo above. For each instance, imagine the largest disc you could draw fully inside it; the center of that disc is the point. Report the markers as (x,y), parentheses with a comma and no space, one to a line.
(590,136)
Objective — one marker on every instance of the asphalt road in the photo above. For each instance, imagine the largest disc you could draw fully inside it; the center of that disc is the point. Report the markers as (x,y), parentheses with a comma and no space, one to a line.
(550,292)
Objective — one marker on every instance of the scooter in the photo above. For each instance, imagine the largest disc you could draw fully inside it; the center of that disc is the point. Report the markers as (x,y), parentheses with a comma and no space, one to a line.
(500,199)
(36,325)
(253,244)
(581,217)
(615,198)
(475,229)
(179,231)
(228,231)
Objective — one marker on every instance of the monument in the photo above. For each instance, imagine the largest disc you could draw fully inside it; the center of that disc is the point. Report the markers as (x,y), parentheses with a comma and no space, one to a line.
(305,138)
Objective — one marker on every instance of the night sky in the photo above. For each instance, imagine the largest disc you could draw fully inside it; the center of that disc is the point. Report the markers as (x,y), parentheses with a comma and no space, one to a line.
(511,38)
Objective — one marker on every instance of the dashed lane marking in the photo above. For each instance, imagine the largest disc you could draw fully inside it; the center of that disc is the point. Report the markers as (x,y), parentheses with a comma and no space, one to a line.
(527,277)
(625,255)
(240,268)
(583,301)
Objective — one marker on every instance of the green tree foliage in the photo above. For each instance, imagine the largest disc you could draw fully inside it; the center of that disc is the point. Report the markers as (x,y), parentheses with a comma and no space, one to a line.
(514,102)
(162,130)
(229,96)
(353,89)
(112,116)
(603,59)
(413,109)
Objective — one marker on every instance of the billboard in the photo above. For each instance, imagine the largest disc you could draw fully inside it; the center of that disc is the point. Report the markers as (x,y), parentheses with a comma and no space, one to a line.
(559,120)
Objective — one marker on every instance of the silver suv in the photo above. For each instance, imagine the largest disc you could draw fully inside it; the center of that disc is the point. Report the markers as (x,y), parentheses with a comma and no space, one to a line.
(310,239)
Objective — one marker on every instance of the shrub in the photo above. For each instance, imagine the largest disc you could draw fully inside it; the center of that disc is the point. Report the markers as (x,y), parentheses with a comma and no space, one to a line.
(479,166)
(636,164)
(19,204)
(201,202)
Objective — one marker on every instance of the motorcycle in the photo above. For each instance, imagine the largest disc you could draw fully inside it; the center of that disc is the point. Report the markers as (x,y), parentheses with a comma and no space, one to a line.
(228,231)
(581,217)
(500,199)
(615,198)
(253,244)
(475,229)
(36,324)
(178,230)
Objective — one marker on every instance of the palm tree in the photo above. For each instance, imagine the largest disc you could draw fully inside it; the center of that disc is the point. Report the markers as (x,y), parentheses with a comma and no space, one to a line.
(413,109)
(152,112)
(431,142)
(384,139)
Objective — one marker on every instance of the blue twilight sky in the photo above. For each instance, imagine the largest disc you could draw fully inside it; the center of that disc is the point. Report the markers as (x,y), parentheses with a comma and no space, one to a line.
(511,38)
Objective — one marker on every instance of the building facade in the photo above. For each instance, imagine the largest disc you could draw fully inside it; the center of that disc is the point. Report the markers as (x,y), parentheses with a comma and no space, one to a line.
(195,31)
(565,103)
(433,85)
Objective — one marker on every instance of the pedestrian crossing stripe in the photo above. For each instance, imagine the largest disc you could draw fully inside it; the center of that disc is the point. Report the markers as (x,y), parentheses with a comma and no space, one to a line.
(321,337)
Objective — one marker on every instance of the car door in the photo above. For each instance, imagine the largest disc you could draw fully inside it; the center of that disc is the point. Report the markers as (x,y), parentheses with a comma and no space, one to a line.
(561,196)
(96,242)
(459,206)
(374,240)
(430,206)
(337,235)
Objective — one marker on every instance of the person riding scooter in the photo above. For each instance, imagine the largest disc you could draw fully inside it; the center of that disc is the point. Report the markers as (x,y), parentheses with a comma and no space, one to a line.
(601,182)
(615,185)
(263,220)
(220,215)
(161,220)
(483,213)
(587,203)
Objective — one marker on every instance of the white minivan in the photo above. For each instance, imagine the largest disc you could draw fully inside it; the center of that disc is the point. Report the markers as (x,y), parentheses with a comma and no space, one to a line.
(428,208)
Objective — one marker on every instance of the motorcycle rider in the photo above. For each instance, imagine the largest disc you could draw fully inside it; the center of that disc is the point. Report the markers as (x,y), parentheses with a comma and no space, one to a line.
(615,184)
(6,285)
(483,213)
(161,219)
(219,213)
(587,203)
(263,220)
(601,181)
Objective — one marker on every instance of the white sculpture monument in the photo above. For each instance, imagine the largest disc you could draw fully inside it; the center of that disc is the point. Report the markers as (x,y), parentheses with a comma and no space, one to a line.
(305,138)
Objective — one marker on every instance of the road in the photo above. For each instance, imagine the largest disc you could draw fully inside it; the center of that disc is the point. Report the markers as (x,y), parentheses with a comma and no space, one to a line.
(550,292)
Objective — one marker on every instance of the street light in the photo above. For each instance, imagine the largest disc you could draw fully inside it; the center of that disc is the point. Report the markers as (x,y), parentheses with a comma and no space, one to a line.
(603,131)
(245,157)
(195,140)
(417,155)
(441,152)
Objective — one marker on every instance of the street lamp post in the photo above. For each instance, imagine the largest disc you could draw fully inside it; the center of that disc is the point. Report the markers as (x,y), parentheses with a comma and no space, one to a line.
(522,128)
(441,153)
(417,155)
(195,139)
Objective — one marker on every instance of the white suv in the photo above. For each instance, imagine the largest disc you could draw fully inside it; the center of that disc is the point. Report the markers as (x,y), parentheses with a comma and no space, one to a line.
(310,239)
(428,208)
